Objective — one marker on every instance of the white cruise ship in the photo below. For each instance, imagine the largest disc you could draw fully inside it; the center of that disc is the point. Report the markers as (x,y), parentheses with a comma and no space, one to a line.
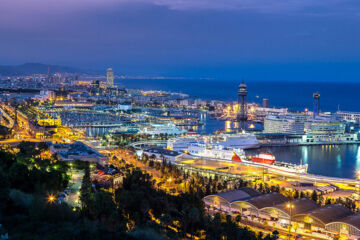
(157,129)
(238,140)
(180,143)
(234,140)
(215,151)
(263,160)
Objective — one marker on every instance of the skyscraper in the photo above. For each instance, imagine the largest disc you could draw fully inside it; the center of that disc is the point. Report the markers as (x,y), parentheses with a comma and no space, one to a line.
(109,78)
(265,103)
(316,110)
(242,115)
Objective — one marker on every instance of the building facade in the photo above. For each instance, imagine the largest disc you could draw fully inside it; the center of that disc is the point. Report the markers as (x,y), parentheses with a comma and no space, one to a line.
(110,78)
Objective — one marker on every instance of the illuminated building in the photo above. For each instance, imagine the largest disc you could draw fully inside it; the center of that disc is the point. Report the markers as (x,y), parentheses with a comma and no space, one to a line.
(265,103)
(95,87)
(349,116)
(73,104)
(316,97)
(324,129)
(109,78)
(83,83)
(95,84)
(284,124)
(78,151)
(45,95)
(305,215)
(49,121)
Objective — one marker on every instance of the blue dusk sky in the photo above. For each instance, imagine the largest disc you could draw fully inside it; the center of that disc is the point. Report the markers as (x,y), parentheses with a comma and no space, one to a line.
(310,40)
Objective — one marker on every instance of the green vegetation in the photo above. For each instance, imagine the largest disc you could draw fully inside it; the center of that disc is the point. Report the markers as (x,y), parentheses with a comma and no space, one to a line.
(137,210)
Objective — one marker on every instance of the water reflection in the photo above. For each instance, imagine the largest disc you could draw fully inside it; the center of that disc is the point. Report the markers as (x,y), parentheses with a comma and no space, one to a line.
(338,161)
(329,160)
(358,158)
(305,154)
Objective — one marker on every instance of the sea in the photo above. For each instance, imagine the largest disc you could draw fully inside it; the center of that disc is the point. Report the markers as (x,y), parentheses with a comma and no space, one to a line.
(292,95)
(328,160)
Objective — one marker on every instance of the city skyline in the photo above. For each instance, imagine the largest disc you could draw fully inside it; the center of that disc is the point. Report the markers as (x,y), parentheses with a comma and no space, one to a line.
(291,40)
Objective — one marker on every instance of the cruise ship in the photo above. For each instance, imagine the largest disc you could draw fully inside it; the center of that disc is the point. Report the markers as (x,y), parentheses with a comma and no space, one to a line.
(263,160)
(215,151)
(234,140)
(157,129)
(227,140)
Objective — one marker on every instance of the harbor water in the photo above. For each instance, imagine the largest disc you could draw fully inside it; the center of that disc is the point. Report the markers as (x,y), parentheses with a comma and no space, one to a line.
(328,160)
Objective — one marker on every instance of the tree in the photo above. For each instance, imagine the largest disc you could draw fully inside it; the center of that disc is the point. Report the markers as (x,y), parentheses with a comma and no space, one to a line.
(238,218)
(302,194)
(194,216)
(296,194)
(4,189)
(86,191)
(19,176)
(28,149)
(166,220)
(314,196)
(103,205)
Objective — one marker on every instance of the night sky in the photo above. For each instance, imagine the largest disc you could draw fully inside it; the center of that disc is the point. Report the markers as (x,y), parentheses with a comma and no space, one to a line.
(251,39)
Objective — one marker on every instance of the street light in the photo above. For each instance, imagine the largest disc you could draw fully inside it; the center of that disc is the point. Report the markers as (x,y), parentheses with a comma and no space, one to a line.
(290,206)
(51,198)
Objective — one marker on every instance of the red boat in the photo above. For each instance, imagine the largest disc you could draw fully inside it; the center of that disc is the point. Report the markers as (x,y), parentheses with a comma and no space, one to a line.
(266,158)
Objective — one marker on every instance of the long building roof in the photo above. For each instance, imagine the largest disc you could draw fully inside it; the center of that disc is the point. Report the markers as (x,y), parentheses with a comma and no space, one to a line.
(267,200)
(239,194)
(353,220)
(330,213)
(302,205)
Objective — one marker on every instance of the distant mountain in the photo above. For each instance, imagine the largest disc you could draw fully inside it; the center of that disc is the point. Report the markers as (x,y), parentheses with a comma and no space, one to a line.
(36,68)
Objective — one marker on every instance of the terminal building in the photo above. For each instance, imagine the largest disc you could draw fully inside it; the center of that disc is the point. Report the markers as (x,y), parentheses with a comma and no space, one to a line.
(160,154)
(305,129)
(274,209)
(353,117)
(291,124)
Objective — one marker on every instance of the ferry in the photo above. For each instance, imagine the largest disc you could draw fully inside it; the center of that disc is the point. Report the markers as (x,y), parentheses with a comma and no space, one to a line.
(215,151)
(264,160)
(227,140)
(241,140)
(182,143)
(157,129)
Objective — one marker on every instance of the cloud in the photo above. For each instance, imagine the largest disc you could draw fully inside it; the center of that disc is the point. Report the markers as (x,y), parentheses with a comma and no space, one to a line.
(264,6)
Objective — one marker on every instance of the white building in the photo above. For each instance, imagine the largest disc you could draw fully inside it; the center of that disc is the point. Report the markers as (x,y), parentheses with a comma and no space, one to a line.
(326,126)
(109,78)
(349,116)
(45,95)
(284,124)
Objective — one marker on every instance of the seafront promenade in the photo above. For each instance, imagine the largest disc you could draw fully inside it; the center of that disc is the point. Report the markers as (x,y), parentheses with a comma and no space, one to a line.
(240,170)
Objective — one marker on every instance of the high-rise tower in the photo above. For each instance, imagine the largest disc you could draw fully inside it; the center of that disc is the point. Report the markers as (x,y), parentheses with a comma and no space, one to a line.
(109,78)
(316,110)
(242,114)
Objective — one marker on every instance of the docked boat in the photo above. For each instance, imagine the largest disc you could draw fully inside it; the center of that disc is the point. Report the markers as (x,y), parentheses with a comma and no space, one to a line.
(215,152)
(157,129)
(227,140)
(263,160)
